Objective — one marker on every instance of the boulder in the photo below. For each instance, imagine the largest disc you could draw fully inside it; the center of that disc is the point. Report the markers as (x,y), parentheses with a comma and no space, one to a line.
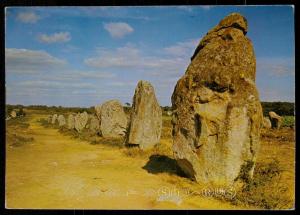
(94,125)
(61,121)
(113,122)
(276,120)
(13,114)
(98,111)
(81,120)
(71,122)
(54,118)
(266,123)
(146,118)
(49,119)
(217,113)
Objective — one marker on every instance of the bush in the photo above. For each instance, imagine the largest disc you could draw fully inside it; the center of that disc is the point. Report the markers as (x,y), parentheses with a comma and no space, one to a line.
(266,190)
(288,121)
(281,108)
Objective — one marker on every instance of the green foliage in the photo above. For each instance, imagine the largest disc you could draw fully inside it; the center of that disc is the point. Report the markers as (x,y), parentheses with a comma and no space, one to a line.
(281,108)
(50,109)
(288,121)
(127,110)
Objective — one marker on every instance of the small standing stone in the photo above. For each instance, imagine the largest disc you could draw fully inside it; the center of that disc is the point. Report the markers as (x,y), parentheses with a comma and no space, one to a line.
(267,123)
(113,121)
(49,119)
(276,120)
(54,118)
(13,114)
(61,121)
(98,111)
(94,124)
(71,121)
(81,120)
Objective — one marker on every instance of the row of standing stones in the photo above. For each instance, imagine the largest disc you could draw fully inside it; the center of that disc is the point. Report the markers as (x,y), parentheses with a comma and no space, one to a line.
(217,116)
(142,128)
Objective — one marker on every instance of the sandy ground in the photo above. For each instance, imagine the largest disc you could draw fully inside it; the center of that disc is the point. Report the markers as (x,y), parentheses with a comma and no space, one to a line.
(57,171)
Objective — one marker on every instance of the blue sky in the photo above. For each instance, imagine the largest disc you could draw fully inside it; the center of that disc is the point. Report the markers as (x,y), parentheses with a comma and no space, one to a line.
(83,56)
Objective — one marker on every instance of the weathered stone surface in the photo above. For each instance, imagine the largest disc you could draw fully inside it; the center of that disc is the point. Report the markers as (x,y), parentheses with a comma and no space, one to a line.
(49,119)
(266,123)
(217,114)
(113,121)
(276,120)
(17,113)
(54,118)
(61,121)
(146,117)
(98,111)
(94,125)
(71,122)
(81,120)
(13,114)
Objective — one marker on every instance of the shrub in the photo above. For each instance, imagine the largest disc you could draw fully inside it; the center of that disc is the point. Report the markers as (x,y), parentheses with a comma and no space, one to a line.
(288,121)
(266,190)
(281,108)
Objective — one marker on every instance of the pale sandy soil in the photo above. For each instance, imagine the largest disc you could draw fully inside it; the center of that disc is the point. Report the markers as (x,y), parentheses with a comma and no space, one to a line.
(57,171)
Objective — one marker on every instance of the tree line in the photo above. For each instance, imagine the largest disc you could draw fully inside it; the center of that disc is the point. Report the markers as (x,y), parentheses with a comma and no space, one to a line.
(281,108)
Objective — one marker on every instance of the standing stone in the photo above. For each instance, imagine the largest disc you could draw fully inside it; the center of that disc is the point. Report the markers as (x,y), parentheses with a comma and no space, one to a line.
(61,121)
(71,122)
(94,124)
(169,113)
(113,119)
(98,111)
(276,120)
(54,118)
(13,114)
(49,119)
(217,114)
(146,117)
(266,123)
(81,120)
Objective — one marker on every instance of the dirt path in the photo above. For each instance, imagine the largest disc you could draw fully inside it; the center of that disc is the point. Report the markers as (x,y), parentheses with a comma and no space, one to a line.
(57,171)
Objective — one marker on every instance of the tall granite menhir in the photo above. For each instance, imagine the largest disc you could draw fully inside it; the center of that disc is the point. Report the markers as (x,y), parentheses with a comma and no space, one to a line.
(217,113)
(146,118)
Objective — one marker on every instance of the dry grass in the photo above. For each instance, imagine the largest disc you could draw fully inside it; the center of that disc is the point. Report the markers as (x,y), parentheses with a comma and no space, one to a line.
(18,132)
(273,186)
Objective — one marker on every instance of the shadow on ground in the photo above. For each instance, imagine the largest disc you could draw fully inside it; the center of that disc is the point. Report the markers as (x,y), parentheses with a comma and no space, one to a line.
(163,164)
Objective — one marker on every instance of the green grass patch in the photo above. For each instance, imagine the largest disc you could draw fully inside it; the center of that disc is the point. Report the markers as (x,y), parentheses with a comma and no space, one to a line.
(288,121)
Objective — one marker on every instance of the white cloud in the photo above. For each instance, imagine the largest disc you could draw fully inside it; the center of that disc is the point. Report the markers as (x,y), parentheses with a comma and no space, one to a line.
(73,75)
(118,29)
(59,37)
(206,7)
(186,8)
(185,48)
(54,84)
(277,66)
(131,57)
(102,12)
(28,17)
(30,61)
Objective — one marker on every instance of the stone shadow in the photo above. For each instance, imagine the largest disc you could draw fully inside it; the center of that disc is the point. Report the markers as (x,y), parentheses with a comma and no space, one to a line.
(163,164)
